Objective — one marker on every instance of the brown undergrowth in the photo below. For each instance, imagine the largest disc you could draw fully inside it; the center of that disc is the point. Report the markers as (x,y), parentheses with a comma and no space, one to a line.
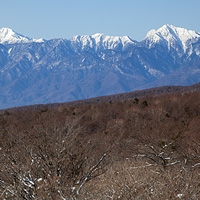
(145,148)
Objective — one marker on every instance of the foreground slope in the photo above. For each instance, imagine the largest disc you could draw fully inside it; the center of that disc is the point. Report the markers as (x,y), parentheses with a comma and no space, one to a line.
(144,148)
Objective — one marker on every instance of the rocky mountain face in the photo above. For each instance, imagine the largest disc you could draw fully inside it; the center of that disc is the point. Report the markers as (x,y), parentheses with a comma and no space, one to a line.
(59,70)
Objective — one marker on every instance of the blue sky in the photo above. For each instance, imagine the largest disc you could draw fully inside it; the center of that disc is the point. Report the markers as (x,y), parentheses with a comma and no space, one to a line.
(67,18)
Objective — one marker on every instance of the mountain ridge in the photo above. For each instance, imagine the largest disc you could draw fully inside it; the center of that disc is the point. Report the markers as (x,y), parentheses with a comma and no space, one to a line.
(182,33)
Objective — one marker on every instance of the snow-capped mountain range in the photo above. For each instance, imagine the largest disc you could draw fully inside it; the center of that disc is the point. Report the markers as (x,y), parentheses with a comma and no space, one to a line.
(36,71)
(100,41)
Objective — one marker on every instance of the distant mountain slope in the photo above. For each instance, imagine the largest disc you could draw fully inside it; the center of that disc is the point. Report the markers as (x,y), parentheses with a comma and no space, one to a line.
(152,92)
(59,70)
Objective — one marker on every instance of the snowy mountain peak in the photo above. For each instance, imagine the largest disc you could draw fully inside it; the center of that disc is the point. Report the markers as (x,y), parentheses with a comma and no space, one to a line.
(98,35)
(101,41)
(170,35)
(5,31)
(8,36)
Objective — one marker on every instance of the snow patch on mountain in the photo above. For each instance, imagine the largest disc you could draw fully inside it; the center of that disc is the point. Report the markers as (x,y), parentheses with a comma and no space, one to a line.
(198,52)
(9,51)
(153,72)
(8,36)
(171,36)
